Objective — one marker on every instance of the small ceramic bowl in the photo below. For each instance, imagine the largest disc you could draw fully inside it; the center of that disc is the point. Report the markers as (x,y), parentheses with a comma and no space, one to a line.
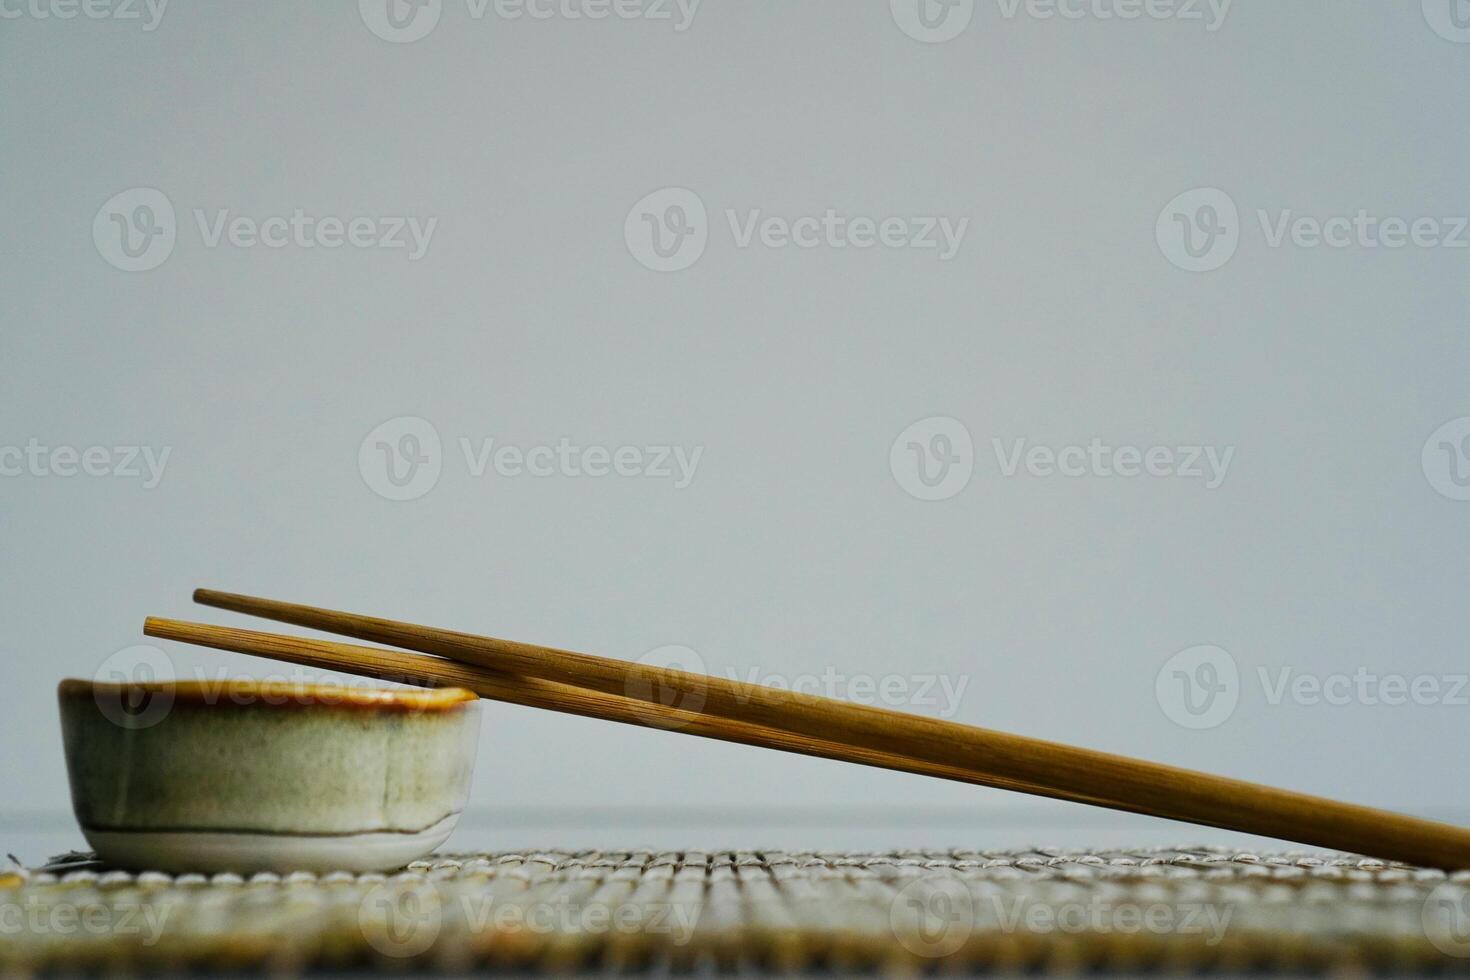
(247,777)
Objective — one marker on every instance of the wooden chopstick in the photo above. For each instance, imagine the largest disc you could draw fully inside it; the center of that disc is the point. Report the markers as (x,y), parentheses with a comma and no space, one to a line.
(1144,787)
(427,671)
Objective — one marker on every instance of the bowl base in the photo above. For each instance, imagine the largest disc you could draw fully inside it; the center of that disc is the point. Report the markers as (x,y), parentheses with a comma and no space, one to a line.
(211,852)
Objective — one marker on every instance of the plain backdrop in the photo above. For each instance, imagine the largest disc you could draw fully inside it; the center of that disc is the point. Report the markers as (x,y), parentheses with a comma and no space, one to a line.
(795,550)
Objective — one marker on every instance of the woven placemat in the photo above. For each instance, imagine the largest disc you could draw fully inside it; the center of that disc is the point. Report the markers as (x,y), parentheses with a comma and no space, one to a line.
(1167,909)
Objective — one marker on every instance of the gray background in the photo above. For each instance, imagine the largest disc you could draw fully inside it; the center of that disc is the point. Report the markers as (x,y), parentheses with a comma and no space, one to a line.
(795,549)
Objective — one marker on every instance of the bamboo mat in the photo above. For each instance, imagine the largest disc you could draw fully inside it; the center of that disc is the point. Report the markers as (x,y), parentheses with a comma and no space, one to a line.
(1168,910)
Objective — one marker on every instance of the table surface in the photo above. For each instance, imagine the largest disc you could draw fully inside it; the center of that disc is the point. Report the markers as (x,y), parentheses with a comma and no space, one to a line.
(35,835)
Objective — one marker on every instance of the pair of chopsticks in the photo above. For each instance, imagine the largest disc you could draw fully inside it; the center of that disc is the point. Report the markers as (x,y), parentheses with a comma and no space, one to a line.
(713,707)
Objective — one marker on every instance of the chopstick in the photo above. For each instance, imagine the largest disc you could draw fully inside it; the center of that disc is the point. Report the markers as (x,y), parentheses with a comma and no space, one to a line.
(1109,780)
(427,671)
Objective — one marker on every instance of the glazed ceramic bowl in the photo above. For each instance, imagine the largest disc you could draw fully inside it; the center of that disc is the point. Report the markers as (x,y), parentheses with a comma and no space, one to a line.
(247,777)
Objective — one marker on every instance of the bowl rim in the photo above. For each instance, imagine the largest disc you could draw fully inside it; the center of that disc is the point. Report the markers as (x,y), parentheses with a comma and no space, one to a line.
(251,693)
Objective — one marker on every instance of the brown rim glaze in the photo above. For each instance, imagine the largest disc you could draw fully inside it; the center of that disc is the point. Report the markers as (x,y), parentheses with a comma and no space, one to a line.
(279,694)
